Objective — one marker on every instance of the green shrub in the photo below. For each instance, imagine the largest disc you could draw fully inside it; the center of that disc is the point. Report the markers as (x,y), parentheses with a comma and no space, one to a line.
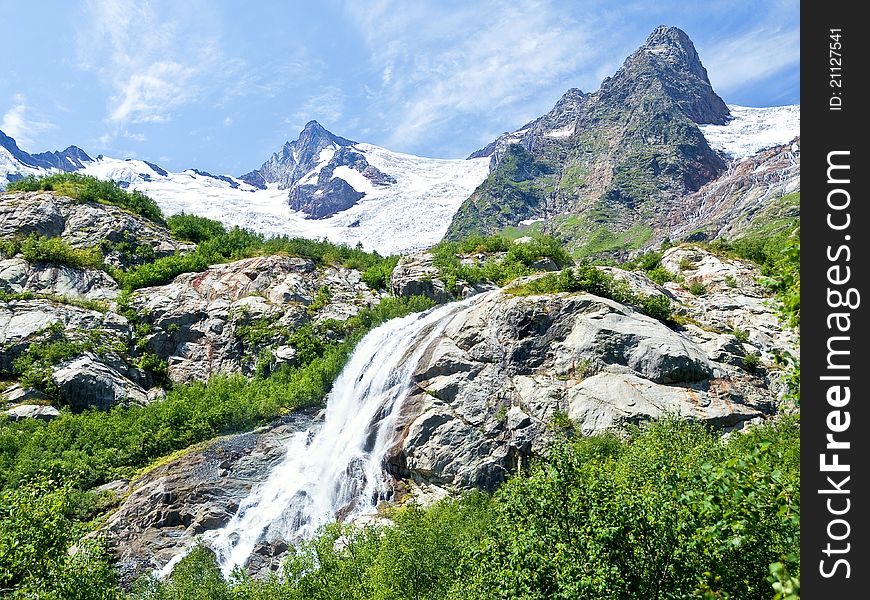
(588,278)
(516,262)
(90,189)
(697,288)
(751,362)
(36,537)
(193,228)
(37,249)
(221,246)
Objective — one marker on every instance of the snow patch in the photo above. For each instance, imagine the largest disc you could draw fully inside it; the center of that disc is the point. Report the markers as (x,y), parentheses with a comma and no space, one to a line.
(356,179)
(564,132)
(753,129)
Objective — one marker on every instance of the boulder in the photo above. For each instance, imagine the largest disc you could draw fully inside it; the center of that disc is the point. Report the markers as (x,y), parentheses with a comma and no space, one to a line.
(417,275)
(17,276)
(22,321)
(87,383)
(32,411)
(84,224)
(17,393)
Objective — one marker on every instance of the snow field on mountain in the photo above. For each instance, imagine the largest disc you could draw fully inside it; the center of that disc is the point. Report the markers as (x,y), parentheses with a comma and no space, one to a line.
(753,129)
(411,214)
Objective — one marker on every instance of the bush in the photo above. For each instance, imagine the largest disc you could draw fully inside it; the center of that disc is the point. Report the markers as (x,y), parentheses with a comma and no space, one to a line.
(194,228)
(217,245)
(588,278)
(36,537)
(38,249)
(697,288)
(517,261)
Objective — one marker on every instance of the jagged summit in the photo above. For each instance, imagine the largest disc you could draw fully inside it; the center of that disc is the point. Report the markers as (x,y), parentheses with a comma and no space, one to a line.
(15,163)
(673,45)
(315,131)
(602,168)
(669,59)
(297,158)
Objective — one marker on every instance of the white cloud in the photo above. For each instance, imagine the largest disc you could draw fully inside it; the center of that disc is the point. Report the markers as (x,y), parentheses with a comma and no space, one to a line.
(754,55)
(438,63)
(19,126)
(154,58)
(135,136)
(326,107)
(228,120)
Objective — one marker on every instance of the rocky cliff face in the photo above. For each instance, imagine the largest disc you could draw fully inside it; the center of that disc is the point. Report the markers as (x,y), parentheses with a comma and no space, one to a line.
(506,372)
(231,318)
(225,319)
(606,168)
(165,510)
(761,192)
(84,225)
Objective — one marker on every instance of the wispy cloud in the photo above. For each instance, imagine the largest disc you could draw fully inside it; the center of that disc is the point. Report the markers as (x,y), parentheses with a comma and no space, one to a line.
(326,106)
(17,124)
(436,63)
(754,55)
(153,60)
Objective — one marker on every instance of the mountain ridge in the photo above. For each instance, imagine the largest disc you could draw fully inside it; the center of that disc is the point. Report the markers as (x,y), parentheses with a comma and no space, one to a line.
(630,149)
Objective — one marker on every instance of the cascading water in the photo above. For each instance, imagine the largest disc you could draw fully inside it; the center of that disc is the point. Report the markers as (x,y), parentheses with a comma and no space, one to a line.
(338,470)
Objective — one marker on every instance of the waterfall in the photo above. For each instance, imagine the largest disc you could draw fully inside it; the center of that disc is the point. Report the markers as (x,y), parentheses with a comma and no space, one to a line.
(337,471)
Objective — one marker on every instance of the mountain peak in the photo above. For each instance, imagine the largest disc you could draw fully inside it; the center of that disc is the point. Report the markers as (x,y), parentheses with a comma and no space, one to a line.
(669,62)
(318,134)
(673,46)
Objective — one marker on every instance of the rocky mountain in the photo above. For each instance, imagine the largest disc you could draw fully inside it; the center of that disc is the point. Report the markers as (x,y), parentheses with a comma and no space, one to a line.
(605,170)
(15,163)
(324,173)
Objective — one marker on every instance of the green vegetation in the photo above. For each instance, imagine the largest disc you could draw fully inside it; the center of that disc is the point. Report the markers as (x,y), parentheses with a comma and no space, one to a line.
(38,249)
(594,233)
(54,345)
(697,288)
(650,263)
(101,446)
(215,243)
(97,305)
(235,244)
(516,262)
(85,188)
(672,513)
(192,228)
(588,278)
(516,190)
(36,538)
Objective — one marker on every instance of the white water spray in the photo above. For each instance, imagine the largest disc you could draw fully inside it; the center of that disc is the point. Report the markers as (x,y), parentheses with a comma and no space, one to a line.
(338,471)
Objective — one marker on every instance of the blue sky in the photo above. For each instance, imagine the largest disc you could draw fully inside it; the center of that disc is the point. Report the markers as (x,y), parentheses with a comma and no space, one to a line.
(220,84)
